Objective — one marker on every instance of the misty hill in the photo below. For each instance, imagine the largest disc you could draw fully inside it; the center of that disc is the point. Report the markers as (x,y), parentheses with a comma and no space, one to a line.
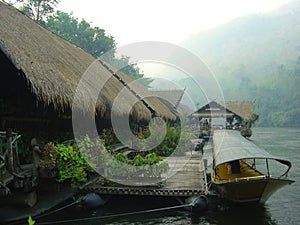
(257,57)
(256,40)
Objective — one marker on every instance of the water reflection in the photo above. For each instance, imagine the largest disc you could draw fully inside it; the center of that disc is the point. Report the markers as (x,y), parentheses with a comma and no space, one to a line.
(222,212)
(219,212)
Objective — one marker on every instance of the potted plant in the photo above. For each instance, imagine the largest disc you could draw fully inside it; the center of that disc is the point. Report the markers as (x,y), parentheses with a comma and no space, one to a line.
(48,162)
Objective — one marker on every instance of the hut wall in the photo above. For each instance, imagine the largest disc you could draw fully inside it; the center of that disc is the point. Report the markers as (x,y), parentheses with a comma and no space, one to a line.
(21,110)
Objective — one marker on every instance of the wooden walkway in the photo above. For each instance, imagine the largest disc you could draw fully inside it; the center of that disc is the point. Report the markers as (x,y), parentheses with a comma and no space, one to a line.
(190,180)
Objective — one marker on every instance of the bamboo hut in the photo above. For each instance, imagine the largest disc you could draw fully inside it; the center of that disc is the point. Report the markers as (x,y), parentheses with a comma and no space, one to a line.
(40,72)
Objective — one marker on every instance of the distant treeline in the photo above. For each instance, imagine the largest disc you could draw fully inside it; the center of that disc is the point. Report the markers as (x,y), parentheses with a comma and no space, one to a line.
(257,57)
(276,92)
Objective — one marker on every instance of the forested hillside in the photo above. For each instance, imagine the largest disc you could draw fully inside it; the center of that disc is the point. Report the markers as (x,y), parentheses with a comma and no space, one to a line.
(257,58)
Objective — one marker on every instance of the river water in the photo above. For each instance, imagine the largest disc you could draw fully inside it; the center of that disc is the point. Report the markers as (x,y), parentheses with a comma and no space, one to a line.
(282,208)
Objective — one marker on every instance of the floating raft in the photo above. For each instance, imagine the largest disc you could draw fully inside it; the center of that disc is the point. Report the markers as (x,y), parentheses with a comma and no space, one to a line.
(190,180)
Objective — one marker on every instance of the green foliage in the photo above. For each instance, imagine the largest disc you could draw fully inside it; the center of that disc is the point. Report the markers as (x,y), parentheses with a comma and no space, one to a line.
(128,68)
(118,164)
(152,159)
(108,136)
(259,61)
(49,159)
(166,148)
(71,164)
(138,160)
(174,139)
(204,133)
(66,162)
(121,157)
(276,92)
(286,119)
(93,40)
(38,9)
(151,165)
(30,221)
(246,132)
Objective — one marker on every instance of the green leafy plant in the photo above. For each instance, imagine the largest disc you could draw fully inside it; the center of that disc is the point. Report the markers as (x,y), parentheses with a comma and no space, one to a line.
(69,162)
(48,161)
(174,139)
(30,221)
(138,160)
(65,162)
(72,166)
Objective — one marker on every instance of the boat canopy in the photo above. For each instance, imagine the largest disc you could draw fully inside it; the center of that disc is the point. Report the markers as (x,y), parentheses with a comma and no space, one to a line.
(230,145)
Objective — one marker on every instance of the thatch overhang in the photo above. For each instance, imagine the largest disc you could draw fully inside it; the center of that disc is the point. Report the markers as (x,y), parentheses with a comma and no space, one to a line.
(174,96)
(213,109)
(53,67)
(137,90)
(242,109)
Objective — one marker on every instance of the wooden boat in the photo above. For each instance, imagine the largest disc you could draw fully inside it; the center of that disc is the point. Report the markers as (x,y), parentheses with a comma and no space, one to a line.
(241,170)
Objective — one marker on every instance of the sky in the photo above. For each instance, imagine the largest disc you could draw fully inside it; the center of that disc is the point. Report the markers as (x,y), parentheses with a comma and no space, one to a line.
(170,21)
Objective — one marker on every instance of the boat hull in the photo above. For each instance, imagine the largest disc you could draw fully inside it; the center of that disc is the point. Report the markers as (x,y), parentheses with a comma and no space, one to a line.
(250,190)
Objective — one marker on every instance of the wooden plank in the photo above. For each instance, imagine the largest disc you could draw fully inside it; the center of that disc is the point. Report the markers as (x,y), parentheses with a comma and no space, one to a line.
(187,181)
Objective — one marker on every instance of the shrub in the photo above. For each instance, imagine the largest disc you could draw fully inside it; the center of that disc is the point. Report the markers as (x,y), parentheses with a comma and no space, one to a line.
(65,162)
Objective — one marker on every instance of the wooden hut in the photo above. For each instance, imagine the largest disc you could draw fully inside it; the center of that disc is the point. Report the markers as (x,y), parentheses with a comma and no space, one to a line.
(241,110)
(233,112)
(40,72)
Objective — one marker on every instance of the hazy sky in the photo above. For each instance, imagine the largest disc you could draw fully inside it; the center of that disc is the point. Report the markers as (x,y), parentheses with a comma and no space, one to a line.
(161,20)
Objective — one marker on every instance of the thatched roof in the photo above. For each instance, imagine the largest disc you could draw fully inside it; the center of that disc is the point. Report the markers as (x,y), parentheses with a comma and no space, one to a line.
(139,91)
(225,109)
(53,66)
(174,96)
(242,109)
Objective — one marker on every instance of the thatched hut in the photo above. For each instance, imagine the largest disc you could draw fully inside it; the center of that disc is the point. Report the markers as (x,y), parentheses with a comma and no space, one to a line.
(243,110)
(213,109)
(40,72)
(233,112)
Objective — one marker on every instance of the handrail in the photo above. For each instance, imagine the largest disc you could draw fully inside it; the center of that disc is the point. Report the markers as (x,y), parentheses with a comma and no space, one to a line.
(242,179)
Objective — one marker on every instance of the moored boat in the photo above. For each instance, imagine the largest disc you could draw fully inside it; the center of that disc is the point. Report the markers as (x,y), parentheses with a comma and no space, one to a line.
(242,172)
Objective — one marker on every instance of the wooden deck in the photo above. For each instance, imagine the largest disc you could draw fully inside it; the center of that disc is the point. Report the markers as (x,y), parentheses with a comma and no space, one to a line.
(188,181)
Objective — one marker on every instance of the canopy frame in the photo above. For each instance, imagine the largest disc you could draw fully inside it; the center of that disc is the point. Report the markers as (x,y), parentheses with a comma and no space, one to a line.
(229,146)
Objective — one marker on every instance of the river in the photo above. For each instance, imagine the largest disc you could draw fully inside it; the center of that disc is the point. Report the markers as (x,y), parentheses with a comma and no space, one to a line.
(281,209)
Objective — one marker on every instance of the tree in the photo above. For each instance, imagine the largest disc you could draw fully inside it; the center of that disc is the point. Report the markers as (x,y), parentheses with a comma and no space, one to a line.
(130,69)
(93,40)
(38,10)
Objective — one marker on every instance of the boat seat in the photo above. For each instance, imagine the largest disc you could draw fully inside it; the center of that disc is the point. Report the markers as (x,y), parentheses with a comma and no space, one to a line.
(223,173)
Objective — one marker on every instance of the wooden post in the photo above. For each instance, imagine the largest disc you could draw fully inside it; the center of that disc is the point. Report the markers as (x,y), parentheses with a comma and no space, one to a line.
(10,155)
(268,172)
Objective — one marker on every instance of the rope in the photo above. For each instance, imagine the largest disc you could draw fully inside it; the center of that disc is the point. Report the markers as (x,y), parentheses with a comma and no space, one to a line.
(57,210)
(52,212)
(116,215)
